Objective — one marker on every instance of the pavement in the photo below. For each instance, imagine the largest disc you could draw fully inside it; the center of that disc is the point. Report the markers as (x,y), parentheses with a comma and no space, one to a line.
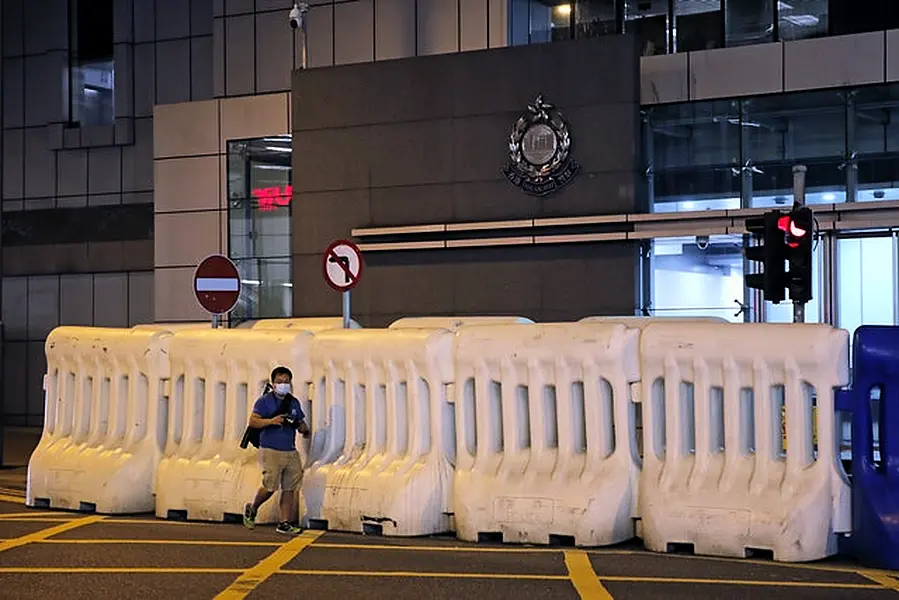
(53,554)
(56,554)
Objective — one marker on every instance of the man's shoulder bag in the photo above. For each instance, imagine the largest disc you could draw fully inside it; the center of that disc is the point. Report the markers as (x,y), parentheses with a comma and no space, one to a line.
(251,435)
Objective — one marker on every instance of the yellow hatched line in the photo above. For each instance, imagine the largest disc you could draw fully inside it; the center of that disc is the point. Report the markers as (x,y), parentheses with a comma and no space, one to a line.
(29,515)
(746,582)
(437,548)
(50,531)
(882,579)
(15,499)
(39,520)
(120,521)
(583,577)
(435,575)
(265,568)
(585,589)
(116,570)
(92,541)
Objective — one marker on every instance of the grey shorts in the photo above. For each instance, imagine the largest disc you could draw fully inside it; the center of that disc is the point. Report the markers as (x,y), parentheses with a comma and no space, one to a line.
(281,468)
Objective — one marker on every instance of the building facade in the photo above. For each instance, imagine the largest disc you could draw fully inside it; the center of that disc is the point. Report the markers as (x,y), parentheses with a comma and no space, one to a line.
(141,135)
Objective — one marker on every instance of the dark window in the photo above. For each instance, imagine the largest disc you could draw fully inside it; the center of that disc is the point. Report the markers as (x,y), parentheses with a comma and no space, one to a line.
(91,66)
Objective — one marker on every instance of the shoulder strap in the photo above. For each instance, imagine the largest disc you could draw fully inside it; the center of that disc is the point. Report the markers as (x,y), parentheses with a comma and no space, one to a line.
(285,404)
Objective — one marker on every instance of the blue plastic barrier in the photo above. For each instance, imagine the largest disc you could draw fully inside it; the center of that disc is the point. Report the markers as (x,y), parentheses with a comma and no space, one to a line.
(875,489)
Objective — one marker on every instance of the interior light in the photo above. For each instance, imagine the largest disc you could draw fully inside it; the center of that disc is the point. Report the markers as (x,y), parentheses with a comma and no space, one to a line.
(563,10)
(829,197)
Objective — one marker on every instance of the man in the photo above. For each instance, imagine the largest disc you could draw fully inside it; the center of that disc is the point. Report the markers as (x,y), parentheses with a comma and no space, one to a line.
(279,415)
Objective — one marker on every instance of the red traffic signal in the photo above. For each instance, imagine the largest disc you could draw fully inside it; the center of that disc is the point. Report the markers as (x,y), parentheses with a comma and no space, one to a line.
(795,232)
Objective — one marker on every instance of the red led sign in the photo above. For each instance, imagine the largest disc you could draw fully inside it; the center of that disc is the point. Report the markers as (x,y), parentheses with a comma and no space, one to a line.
(271,198)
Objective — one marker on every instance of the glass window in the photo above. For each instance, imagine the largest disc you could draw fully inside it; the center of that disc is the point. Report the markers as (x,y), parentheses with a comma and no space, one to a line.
(594,18)
(749,22)
(695,277)
(801,19)
(782,131)
(783,312)
(259,209)
(538,21)
(93,93)
(866,279)
(700,25)
(693,150)
(875,116)
(649,20)
(91,75)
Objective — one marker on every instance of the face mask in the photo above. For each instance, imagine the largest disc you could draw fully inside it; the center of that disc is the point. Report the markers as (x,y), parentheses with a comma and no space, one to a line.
(282,389)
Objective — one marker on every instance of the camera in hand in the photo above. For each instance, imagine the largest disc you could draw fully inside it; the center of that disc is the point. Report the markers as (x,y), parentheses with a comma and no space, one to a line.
(291,422)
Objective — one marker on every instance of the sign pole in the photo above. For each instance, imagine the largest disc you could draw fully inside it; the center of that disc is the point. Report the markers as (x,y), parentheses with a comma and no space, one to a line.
(346,309)
(342,268)
(798,200)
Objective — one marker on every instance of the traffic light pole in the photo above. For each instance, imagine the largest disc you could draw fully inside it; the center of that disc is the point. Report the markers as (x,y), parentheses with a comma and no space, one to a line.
(799,200)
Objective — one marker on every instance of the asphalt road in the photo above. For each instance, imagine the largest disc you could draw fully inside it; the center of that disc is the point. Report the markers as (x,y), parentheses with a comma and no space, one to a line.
(56,554)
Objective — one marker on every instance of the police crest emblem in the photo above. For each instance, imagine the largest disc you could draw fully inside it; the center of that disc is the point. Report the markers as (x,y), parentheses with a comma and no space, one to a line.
(540,160)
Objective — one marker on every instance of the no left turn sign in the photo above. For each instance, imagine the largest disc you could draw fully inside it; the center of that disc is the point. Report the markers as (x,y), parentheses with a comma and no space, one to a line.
(342,265)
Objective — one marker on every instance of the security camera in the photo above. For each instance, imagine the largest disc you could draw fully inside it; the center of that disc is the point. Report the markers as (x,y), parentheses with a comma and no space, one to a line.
(702,241)
(296,14)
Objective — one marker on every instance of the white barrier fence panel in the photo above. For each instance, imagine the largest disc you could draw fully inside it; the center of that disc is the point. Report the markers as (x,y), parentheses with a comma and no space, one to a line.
(216,377)
(715,472)
(454,323)
(545,433)
(382,448)
(310,324)
(104,420)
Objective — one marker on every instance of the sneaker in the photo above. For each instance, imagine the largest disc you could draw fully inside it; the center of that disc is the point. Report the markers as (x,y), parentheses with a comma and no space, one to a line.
(288,528)
(249,516)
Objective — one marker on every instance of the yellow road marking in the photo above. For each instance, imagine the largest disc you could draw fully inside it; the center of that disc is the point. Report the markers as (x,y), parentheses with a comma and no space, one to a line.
(118,570)
(264,569)
(8,498)
(160,542)
(50,531)
(32,514)
(119,521)
(884,580)
(39,520)
(745,582)
(745,561)
(432,574)
(522,576)
(583,577)
(436,548)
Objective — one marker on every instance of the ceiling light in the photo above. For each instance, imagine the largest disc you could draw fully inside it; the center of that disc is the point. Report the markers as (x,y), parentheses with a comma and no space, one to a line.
(563,10)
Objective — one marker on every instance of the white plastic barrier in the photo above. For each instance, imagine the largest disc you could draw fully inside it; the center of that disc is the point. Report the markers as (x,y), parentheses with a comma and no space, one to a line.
(104,420)
(545,432)
(217,376)
(172,327)
(383,437)
(454,323)
(311,324)
(714,473)
(641,322)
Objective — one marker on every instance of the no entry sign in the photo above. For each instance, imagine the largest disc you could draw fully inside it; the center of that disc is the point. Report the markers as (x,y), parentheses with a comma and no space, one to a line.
(342,265)
(217,284)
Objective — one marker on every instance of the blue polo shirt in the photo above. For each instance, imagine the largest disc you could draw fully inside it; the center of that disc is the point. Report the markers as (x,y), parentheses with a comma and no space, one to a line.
(277,437)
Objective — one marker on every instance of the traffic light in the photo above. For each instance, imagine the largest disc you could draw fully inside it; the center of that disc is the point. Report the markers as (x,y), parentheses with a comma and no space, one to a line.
(798,228)
(771,253)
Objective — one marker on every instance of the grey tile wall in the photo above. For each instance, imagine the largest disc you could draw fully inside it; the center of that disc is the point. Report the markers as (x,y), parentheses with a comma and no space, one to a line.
(424,140)
(163,54)
(33,306)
